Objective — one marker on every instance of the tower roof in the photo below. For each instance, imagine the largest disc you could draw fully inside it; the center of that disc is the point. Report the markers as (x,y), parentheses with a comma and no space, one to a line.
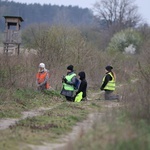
(14,17)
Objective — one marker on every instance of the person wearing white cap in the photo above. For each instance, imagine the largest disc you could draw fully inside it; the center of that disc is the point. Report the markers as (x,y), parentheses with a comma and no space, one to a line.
(42,78)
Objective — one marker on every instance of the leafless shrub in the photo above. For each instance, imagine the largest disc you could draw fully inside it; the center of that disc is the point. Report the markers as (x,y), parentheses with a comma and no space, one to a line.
(137,96)
(59,47)
(16,71)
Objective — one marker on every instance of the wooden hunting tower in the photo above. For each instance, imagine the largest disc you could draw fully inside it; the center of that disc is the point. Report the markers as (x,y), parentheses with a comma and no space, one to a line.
(12,34)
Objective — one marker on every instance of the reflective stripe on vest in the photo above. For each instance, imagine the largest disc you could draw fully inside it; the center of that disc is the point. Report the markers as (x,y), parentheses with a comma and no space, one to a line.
(67,86)
(41,77)
(111,85)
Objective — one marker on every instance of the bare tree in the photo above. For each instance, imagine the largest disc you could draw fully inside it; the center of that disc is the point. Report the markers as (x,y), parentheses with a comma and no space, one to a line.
(116,14)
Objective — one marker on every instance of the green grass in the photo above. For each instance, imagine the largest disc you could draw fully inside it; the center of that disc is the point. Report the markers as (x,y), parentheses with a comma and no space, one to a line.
(13,102)
(46,128)
(112,133)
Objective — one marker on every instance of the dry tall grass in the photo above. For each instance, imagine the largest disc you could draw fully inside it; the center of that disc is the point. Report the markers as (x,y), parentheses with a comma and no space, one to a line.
(59,47)
(137,96)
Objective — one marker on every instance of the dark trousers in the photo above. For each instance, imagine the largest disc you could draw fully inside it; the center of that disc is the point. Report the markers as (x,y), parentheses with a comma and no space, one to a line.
(68,98)
(110,96)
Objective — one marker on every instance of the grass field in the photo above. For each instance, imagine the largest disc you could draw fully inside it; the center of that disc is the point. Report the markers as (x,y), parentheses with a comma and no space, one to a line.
(56,123)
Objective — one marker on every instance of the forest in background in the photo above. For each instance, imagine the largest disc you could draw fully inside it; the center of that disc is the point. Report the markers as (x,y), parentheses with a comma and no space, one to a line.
(47,13)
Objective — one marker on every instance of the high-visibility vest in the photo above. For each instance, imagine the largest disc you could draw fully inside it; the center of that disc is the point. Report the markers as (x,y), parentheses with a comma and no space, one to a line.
(79,97)
(111,85)
(40,76)
(67,86)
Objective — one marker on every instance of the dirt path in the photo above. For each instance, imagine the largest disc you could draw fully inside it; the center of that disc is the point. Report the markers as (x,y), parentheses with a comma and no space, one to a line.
(78,130)
(62,142)
(5,123)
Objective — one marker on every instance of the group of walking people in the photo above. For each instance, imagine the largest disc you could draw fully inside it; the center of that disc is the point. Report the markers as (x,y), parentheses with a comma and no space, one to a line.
(74,87)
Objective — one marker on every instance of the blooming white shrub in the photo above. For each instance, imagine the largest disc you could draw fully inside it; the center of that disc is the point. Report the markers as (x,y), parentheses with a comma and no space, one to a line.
(127,41)
(130,49)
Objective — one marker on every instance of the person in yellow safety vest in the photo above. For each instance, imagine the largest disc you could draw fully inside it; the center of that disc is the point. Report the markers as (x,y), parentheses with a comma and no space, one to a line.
(68,82)
(109,84)
(42,78)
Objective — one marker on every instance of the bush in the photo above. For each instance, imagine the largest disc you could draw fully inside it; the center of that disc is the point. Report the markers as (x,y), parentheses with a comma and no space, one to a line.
(137,99)
(125,41)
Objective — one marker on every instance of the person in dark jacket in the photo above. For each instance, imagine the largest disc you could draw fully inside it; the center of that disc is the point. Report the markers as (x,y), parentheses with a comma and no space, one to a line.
(69,83)
(83,85)
(109,84)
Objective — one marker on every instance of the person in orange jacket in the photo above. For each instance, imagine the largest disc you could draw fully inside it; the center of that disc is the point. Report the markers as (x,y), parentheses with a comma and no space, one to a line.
(42,78)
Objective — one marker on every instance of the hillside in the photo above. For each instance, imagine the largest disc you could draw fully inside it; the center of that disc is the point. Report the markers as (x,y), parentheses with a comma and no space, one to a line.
(50,14)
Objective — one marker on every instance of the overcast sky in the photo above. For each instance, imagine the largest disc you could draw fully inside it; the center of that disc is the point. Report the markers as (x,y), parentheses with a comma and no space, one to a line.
(144,5)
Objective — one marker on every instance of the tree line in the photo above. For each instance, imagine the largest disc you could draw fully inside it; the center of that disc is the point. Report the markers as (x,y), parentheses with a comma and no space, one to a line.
(47,13)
